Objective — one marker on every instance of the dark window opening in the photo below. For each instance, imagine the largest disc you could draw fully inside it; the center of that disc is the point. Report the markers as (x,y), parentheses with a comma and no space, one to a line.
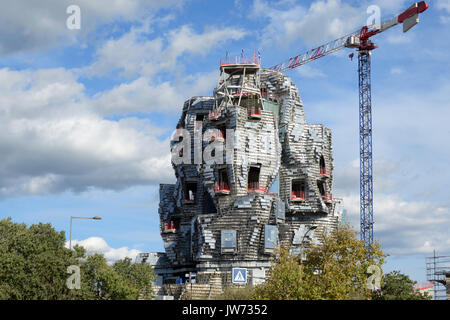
(253,107)
(199,117)
(253,179)
(222,184)
(208,204)
(190,191)
(323,169)
(321,187)
(298,190)
(327,197)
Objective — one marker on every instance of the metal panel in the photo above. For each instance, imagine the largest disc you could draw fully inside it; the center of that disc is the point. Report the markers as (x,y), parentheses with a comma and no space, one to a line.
(270,236)
(280,210)
(228,238)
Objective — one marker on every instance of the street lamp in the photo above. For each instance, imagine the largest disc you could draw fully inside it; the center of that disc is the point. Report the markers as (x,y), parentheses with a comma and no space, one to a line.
(313,227)
(71,218)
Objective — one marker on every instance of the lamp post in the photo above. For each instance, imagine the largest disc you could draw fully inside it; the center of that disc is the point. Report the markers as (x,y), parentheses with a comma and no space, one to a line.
(313,227)
(71,218)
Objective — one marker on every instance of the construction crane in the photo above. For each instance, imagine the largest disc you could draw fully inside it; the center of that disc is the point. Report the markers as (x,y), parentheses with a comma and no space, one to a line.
(360,40)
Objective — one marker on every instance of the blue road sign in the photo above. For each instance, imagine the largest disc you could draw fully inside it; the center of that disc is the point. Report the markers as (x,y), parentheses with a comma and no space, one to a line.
(239,275)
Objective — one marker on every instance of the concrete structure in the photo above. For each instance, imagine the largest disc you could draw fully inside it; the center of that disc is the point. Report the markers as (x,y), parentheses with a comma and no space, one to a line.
(228,151)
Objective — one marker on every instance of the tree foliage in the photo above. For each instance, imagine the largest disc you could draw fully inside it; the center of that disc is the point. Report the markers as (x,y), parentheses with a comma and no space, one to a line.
(334,269)
(285,278)
(398,286)
(337,269)
(238,293)
(34,261)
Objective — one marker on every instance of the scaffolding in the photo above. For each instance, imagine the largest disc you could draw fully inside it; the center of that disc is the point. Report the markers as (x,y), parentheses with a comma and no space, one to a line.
(438,270)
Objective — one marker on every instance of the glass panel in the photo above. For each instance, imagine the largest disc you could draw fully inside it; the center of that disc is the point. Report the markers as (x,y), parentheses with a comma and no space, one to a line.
(228,239)
(270,236)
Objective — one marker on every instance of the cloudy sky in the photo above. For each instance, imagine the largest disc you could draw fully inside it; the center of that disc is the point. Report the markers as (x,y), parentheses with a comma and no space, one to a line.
(86,113)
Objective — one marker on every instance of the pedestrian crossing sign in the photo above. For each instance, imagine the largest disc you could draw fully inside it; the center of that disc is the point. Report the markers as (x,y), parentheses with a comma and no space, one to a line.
(239,275)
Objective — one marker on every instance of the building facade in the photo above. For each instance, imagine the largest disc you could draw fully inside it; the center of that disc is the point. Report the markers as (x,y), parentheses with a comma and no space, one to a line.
(251,174)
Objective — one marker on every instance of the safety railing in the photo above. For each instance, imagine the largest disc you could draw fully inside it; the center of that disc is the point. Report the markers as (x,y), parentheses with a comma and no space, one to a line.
(327,197)
(219,137)
(169,226)
(298,195)
(221,187)
(256,187)
(240,60)
(254,112)
(324,172)
(269,96)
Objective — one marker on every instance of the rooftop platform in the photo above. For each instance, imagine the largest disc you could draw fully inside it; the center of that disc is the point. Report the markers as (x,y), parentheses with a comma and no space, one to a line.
(252,64)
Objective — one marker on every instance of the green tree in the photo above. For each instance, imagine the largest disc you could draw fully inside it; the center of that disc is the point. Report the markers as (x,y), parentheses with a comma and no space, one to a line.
(285,278)
(34,261)
(334,269)
(238,293)
(398,286)
(138,276)
(337,268)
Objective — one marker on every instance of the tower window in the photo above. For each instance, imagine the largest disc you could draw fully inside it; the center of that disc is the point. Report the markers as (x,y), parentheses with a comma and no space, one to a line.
(298,190)
(222,186)
(323,170)
(253,179)
(190,191)
(321,187)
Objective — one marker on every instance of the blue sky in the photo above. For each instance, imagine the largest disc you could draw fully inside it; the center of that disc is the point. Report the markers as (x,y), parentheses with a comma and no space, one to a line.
(86,114)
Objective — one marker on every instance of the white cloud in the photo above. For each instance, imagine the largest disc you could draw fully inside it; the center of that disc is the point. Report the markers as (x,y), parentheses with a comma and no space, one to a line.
(53,139)
(99,245)
(443,4)
(30,25)
(405,227)
(141,95)
(322,21)
(186,40)
(400,38)
(411,207)
(135,54)
(397,70)
(306,71)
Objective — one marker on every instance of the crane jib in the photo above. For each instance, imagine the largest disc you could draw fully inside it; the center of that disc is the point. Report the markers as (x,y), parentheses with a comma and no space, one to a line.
(413,10)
